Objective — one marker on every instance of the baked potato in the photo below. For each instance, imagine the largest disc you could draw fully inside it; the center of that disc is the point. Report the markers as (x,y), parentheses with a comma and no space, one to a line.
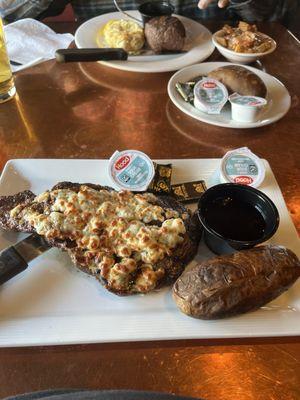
(236,283)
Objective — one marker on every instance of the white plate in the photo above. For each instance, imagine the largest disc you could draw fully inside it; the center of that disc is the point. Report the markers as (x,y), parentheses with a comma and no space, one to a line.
(54,303)
(279,100)
(199,45)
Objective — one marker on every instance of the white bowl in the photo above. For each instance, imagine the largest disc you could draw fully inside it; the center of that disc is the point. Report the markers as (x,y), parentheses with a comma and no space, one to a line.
(242,58)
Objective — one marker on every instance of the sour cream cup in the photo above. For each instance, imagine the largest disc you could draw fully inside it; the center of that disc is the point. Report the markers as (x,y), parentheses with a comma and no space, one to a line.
(243,167)
(210,96)
(157,8)
(246,108)
(131,170)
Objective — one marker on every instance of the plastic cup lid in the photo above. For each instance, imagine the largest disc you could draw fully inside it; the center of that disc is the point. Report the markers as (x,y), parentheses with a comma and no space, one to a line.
(243,167)
(247,101)
(210,95)
(131,170)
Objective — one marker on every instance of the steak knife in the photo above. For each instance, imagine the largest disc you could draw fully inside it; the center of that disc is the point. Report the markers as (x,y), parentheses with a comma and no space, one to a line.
(77,55)
(15,259)
(104,54)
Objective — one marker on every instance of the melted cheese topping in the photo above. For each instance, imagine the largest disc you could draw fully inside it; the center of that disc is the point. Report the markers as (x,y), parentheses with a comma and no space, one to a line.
(113,230)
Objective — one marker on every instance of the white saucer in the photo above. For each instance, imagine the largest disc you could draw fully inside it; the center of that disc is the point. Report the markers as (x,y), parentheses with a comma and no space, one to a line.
(279,100)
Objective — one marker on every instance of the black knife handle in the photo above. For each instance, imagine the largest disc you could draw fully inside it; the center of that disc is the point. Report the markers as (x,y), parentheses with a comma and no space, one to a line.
(77,55)
(11,264)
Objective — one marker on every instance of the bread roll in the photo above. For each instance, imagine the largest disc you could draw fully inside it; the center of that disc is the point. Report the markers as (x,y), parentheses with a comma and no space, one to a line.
(240,80)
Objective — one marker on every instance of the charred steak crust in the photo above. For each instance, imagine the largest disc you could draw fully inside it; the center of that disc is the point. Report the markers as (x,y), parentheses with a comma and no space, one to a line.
(172,264)
(76,186)
(7,203)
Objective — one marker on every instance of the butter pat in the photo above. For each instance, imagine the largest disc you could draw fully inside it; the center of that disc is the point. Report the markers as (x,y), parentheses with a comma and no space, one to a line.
(246,108)
(243,167)
(131,170)
(210,96)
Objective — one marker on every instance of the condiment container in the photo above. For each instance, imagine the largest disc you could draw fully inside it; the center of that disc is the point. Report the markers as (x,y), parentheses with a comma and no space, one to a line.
(243,167)
(236,217)
(156,8)
(246,108)
(210,96)
(131,170)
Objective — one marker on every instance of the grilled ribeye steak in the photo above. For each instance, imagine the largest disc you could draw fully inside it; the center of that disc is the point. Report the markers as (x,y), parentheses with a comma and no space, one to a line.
(132,242)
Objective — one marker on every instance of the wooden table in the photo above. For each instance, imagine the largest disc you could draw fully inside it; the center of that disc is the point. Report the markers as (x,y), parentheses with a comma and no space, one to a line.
(87,111)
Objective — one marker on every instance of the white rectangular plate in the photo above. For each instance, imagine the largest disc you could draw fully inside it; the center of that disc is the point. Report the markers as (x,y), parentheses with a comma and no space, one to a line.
(54,303)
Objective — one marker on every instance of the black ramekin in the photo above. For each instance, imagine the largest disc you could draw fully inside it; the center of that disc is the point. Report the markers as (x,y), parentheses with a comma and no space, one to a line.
(222,245)
(156,8)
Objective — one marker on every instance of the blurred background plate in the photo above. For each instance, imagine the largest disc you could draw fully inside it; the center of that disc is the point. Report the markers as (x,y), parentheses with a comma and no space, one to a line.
(279,100)
(199,45)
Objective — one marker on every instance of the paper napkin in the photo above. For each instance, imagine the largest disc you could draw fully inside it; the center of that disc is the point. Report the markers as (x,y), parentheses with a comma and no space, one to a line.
(30,42)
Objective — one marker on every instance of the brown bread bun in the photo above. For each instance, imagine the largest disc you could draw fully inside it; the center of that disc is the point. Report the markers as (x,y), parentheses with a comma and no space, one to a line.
(241,80)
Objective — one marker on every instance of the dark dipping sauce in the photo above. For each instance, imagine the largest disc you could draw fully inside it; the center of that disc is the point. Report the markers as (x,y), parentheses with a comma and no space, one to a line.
(156,8)
(235,219)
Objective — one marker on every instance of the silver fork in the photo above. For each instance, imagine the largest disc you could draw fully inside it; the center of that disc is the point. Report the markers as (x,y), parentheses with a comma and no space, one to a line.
(124,12)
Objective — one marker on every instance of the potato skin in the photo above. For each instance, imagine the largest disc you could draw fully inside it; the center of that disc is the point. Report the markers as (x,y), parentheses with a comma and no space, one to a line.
(241,80)
(236,283)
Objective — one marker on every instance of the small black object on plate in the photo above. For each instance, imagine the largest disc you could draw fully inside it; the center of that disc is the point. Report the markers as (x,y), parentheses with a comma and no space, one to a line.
(161,183)
(188,192)
(157,8)
(236,217)
(186,89)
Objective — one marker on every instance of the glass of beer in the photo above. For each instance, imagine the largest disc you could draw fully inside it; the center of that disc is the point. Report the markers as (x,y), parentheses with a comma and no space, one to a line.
(7,86)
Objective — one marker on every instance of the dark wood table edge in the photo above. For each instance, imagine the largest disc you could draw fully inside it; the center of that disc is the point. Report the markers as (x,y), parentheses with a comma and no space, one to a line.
(153,344)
